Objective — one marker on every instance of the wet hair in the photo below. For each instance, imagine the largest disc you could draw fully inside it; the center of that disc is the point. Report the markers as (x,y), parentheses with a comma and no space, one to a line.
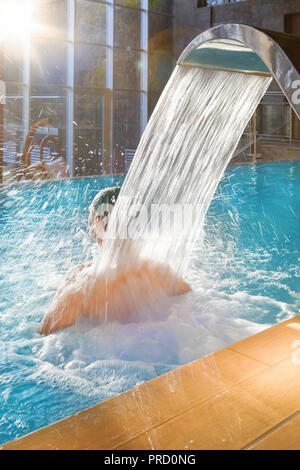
(102,206)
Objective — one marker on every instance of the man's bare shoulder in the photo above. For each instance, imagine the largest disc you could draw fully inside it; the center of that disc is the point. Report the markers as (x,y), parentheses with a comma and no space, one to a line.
(73,273)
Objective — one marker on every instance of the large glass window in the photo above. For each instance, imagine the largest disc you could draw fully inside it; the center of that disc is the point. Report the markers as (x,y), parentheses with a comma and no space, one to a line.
(127,27)
(50,19)
(13,125)
(159,67)
(273,116)
(160,57)
(90,66)
(126,118)
(129,3)
(48,62)
(90,73)
(162,6)
(13,57)
(46,88)
(127,69)
(204,3)
(50,103)
(160,32)
(88,134)
(90,22)
(152,101)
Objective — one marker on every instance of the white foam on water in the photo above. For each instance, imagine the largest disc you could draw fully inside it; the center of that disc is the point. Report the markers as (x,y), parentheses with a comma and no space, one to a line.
(97,361)
(100,360)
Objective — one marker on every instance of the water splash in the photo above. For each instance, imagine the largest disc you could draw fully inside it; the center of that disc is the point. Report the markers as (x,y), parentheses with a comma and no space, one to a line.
(183,153)
(242,282)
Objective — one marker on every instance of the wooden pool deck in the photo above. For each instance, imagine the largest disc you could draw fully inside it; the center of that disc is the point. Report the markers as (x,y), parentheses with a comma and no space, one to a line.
(245,396)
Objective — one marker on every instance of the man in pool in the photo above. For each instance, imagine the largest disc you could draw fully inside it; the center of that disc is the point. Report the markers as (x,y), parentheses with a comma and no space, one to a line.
(114,294)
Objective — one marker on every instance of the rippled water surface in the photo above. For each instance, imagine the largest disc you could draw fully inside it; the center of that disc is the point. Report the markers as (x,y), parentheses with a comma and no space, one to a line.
(244,274)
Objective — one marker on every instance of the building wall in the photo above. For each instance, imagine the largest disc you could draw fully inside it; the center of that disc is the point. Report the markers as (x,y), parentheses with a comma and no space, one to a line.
(190,20)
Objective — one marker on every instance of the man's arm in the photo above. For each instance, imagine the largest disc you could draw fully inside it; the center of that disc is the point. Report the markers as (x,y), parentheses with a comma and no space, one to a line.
(65,308)
(67,304)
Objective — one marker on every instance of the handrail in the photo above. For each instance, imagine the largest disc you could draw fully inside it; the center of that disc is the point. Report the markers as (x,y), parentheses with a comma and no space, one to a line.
(28,147)
(30,136)
(43,143)
(49,138)
(28,154)
(247,146)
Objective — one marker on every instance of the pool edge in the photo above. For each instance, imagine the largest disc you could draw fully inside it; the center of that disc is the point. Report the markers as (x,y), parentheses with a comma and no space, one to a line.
(242,396)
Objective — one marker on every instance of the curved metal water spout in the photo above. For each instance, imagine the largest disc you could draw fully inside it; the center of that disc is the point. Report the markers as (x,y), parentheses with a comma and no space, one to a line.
(241,48)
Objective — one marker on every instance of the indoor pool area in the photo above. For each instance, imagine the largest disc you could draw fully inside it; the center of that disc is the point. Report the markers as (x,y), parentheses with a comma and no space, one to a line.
(244,277)
(149,228)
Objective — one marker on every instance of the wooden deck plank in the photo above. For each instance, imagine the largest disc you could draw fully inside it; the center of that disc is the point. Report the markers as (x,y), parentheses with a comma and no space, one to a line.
(285,437)
(233,419)
(125,416)
(272,345)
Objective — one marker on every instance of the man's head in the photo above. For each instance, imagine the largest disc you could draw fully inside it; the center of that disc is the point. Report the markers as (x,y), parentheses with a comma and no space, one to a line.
(100,211)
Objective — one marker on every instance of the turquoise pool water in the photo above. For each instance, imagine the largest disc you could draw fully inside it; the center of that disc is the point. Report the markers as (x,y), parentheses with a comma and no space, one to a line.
(244,273)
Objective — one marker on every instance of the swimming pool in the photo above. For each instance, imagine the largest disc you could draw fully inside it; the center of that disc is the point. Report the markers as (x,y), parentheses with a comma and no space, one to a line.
(244,273)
